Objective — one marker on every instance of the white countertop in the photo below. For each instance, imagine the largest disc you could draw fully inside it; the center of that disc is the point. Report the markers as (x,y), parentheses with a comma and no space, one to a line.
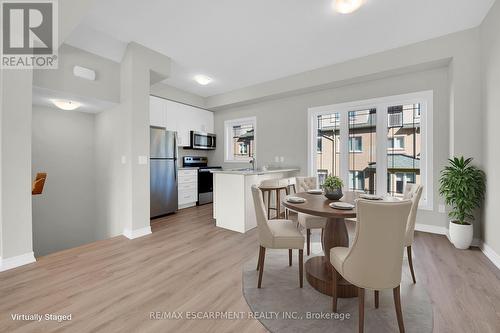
(250,172)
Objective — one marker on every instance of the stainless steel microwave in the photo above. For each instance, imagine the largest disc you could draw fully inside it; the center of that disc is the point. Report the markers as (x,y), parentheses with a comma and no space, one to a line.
(201,140)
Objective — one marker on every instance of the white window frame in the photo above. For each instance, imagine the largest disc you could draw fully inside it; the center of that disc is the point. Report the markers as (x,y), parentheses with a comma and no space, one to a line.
(228,144)
(424,98)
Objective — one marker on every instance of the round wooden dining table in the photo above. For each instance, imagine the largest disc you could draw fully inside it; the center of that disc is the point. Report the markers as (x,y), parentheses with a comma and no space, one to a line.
(318,268)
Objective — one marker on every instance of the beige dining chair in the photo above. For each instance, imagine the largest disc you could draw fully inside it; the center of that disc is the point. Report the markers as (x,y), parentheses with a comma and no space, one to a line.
(276,234)
(307,221)
(412,192)
(376,257)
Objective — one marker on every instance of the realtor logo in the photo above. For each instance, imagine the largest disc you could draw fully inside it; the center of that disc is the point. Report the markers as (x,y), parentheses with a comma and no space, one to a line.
(29,34)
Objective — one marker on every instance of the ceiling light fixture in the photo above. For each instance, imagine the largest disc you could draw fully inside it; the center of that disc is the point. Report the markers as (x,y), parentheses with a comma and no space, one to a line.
(66,104)
(347,6)
(202,79)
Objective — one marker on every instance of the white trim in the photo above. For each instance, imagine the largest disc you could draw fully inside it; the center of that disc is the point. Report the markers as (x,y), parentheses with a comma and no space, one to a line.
(132,234)
(432,229)
(490,254)
(188,205)
(425,98)
(13,262)
(239,121)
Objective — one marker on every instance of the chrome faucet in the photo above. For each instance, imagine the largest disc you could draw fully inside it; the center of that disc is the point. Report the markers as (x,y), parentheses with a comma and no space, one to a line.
(252,161)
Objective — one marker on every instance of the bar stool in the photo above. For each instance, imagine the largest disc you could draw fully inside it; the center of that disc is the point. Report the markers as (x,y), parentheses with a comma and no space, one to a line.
(274,185)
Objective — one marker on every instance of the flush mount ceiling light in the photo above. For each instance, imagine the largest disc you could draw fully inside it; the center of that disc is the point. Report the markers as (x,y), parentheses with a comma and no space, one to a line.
(347,6)
(66,104)
(202,79)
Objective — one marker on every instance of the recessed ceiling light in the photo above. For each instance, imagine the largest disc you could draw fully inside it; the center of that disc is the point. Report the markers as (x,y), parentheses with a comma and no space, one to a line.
(347,6)
(66,104)
(202,79)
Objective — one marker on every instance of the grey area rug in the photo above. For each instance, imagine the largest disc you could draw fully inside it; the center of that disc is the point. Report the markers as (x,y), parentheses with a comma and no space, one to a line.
(283,307)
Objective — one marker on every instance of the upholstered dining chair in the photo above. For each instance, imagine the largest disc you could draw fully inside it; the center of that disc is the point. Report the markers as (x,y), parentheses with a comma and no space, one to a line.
(307,221)
(412,192)
(376,257)
(276,234)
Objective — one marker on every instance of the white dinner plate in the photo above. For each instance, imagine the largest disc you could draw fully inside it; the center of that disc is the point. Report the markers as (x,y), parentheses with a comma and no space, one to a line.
(342,205)
(295,199)
(316,191)
(371,196)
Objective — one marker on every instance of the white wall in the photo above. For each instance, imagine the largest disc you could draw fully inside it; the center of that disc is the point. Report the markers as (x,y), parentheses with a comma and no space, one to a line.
(64,216)
(282,123)
(174,94)
(106,86)
(112,212)
(490,69)
(15,150)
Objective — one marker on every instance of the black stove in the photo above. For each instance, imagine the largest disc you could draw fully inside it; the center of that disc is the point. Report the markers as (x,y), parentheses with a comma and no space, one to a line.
(205,177)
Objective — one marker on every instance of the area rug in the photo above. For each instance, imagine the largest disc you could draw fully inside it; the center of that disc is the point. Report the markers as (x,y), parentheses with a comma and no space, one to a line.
(281,306)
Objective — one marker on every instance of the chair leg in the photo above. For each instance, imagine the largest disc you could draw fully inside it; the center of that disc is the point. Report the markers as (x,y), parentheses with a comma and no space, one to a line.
(334,289)
(375,294)
(301,268)
(268,205)
(399,312)
(322,240)
(410,262)
(361,299)
(261,265)
(258,260)
(289,257)
(278,204)
(308,232)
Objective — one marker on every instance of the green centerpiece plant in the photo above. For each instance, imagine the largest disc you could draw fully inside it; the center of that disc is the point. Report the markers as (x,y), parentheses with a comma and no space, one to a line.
(333,187)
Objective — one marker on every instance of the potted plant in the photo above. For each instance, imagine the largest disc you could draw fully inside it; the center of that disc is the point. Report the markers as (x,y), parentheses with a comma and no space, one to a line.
(462,185)
(333,187)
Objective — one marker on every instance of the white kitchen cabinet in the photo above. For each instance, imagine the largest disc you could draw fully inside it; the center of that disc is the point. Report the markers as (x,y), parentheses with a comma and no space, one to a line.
(187,187)
(181,118)
(157,111)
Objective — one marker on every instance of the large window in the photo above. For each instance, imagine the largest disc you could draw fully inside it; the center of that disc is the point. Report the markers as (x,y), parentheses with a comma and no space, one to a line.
(240,139)
(375,146)
(327,154)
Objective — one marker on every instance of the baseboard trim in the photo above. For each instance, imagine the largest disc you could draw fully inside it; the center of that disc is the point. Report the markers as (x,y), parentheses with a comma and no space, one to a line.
(490,254)
(432,229)
(476,242)
(136,233)
(13,262)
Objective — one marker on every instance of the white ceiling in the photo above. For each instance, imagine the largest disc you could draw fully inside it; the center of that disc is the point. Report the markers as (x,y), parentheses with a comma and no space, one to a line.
(245,42)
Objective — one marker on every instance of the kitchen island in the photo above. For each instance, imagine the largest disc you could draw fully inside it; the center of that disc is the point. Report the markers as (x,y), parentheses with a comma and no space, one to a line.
(233,202)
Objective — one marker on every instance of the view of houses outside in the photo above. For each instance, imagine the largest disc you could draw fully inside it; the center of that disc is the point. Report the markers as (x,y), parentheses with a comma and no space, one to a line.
(243,142)
(403,152)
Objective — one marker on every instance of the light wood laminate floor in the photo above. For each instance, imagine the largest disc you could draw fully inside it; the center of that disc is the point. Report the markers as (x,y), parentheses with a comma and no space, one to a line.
(188,264)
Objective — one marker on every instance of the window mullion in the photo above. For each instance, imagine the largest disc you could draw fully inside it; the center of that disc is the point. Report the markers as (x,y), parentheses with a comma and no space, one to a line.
(344,149)
(382,145)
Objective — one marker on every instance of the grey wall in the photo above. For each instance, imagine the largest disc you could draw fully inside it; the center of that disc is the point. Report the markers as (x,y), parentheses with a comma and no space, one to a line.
(490,47)
(64,216)
(282,123)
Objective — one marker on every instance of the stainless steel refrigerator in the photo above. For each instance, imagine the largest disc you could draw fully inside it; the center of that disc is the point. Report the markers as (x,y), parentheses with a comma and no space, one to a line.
(163,175)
